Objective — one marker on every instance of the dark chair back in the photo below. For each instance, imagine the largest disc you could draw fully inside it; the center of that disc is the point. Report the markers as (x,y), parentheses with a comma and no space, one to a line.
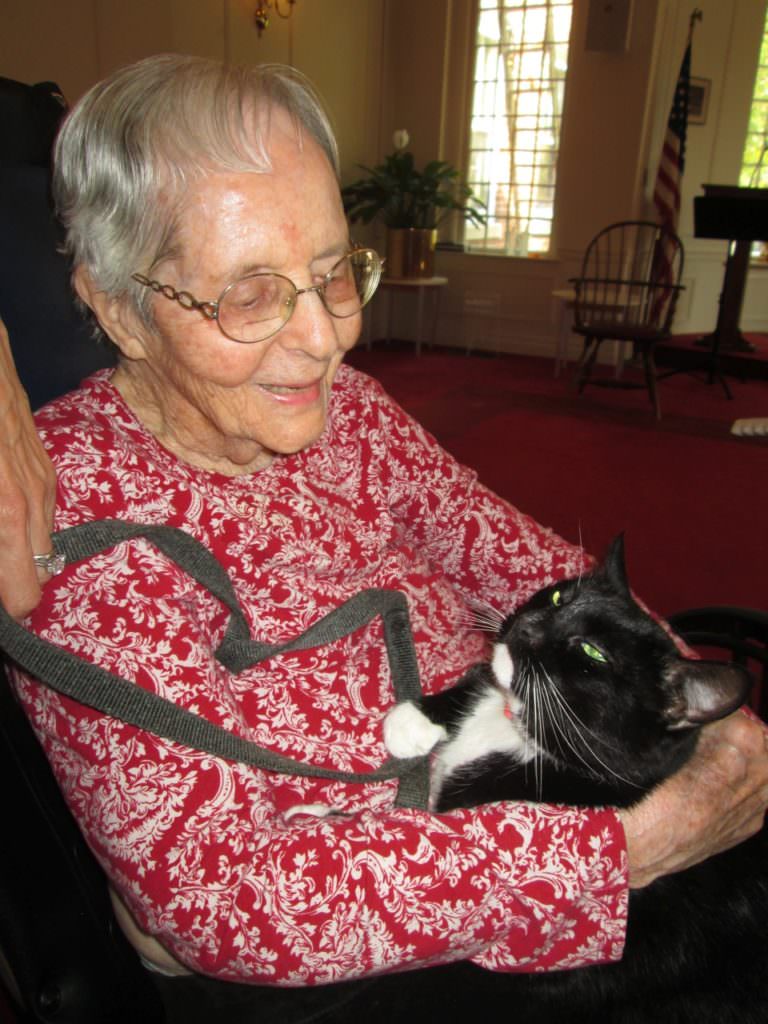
(51,340)
(741,633)
(629,281)
(30,116)
(62,956)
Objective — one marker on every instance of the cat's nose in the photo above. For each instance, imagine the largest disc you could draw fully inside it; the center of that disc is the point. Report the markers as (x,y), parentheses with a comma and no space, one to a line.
(530,629)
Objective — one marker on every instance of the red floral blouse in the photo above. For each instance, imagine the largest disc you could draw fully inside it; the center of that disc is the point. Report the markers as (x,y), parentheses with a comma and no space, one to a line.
(206,853)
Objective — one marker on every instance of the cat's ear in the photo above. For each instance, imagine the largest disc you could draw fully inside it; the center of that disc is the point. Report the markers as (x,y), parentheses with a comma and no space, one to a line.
(614,566)
(703,691)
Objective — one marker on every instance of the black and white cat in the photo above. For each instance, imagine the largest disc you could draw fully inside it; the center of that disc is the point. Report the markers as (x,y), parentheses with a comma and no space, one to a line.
(587,701)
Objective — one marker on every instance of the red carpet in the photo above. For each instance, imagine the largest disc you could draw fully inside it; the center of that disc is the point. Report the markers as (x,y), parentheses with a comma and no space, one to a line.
(690,497)
(683,350)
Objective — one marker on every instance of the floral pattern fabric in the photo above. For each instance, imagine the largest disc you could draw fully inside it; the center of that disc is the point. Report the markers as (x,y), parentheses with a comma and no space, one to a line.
(213,858)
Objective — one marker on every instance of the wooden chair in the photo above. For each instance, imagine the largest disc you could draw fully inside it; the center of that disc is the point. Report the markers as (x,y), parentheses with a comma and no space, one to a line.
(627,291)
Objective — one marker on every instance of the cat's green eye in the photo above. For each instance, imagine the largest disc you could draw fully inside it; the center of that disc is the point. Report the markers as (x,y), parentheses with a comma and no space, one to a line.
(593,652)
(557,598)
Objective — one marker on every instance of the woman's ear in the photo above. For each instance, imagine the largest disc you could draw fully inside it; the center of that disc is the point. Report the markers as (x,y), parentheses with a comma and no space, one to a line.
(116,318)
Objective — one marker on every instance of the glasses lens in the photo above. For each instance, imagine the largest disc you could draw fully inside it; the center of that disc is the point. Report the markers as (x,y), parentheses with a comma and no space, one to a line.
(254,307)
(352,282)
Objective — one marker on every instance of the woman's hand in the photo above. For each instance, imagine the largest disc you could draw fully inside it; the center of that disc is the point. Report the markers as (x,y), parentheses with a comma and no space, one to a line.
(716,801)
(27,493)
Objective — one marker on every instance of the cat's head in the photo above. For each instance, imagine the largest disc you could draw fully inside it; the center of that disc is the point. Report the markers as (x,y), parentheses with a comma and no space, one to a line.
(604,689)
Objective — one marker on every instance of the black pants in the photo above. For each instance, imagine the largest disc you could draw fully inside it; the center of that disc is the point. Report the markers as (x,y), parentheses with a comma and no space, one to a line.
(456,992)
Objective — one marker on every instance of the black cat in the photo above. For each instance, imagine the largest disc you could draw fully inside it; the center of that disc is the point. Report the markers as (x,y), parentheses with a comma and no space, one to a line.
(586,701)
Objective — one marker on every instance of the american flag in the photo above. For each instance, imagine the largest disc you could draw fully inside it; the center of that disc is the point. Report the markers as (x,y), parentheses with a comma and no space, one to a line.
(666,192)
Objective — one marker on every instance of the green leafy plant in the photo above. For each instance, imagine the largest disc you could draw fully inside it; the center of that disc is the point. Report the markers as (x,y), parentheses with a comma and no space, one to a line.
(404,197)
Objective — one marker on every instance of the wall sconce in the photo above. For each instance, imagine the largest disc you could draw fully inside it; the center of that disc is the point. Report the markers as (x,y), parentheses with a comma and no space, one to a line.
(265,7)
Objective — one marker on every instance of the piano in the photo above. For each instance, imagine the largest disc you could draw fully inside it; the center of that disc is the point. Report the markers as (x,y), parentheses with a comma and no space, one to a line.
(739,215)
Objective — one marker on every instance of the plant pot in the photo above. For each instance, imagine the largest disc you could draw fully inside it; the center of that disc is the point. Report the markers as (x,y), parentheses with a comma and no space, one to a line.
(411,252)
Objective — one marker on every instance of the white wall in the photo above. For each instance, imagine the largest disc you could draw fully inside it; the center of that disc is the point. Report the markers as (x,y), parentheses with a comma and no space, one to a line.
(599,173)
(336,42)
(726,46)
(616,109)
(386,64)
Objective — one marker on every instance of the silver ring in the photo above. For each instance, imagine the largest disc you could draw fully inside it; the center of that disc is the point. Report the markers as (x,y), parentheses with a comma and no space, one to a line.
(52,563)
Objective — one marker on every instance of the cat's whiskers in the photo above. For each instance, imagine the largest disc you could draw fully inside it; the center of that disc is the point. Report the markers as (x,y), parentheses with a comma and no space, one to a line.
(569,713)
(540,710)
(482,616)
(580,729)
(551,712)
(533,698)
(544,702)
(581,567)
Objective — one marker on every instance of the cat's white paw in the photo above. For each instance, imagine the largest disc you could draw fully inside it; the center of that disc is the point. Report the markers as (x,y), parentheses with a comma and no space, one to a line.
(409,733)
(308,810)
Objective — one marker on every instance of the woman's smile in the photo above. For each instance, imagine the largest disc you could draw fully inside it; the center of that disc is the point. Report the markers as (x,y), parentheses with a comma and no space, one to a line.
(295,394)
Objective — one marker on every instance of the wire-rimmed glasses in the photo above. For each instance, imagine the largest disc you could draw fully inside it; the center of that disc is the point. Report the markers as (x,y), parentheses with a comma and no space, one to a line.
(256,306)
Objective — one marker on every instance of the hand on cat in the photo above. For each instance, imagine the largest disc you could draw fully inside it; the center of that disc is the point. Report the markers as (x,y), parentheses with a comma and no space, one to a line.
(27,493)
(716,801)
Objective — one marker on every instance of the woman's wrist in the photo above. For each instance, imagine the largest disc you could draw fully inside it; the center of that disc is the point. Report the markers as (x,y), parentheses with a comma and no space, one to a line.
(714,802)
(647,847)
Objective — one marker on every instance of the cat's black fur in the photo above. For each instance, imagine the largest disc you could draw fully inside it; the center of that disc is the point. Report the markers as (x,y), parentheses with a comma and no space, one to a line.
(697,944)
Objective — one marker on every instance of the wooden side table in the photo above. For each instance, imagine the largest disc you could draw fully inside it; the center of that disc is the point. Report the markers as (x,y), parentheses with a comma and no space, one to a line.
(422,286)
(566,298)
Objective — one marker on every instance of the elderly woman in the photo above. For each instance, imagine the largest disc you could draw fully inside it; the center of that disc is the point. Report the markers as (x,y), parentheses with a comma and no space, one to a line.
(208,239)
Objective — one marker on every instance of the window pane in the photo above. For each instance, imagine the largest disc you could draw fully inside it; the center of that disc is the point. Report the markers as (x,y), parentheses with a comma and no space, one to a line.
(520,66)
(754,161)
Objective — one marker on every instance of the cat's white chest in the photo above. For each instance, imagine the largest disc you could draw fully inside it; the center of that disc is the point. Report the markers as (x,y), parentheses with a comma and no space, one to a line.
(491,727)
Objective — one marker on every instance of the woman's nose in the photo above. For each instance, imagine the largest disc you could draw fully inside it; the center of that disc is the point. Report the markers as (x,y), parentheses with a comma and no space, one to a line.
(313,330)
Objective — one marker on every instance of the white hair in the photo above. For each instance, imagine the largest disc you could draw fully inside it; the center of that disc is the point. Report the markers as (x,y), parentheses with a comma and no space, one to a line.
(128,148)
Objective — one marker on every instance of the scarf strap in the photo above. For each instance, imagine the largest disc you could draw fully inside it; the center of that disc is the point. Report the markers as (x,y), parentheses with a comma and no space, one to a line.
(119,698)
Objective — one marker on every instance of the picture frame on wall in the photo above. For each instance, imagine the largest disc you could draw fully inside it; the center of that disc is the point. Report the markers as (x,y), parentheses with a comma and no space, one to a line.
(698,100)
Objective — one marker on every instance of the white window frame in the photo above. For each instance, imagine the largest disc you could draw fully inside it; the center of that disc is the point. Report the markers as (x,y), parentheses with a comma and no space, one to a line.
(513,146)
(754,161)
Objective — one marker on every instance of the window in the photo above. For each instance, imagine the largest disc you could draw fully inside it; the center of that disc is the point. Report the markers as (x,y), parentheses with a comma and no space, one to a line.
(754,162)
(521,59)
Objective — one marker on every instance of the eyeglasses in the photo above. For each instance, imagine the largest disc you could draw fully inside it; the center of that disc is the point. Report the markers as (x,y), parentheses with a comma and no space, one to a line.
(257,306)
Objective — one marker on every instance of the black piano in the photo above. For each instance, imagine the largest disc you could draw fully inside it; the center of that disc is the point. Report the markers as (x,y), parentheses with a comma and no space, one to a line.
(739,215)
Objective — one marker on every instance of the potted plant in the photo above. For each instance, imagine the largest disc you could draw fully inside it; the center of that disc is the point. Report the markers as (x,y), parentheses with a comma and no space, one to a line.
(412,203)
